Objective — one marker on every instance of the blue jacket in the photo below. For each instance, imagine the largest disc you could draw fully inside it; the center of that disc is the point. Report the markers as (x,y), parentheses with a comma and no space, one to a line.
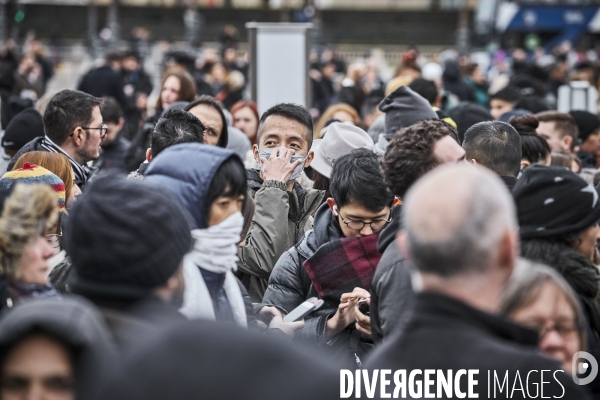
(187,170)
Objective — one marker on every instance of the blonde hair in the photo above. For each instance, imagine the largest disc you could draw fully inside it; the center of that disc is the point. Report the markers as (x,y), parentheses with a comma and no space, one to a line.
(328,114)
(29,211)
(56,163)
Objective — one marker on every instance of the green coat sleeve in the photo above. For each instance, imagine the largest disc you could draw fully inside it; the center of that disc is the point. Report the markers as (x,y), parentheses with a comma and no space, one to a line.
(268,236)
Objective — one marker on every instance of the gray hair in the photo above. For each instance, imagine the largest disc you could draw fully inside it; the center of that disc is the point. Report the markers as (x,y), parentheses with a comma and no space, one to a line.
(454,219)
(524,287)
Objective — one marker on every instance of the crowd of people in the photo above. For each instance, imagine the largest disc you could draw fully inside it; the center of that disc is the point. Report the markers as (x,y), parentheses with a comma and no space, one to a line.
(445,220)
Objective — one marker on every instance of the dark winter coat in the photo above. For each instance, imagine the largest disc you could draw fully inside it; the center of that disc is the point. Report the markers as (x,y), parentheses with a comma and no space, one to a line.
(113,155)
(447,334)
(280,221)
(392,295)
(290,285)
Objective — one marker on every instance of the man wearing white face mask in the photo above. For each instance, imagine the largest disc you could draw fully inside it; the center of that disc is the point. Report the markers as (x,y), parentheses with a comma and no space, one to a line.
(283,208)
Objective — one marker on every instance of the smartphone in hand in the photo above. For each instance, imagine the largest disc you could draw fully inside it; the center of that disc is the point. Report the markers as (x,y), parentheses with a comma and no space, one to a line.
(303,310)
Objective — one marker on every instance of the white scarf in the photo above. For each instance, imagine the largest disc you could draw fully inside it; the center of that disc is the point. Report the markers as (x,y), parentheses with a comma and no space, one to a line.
(215,250)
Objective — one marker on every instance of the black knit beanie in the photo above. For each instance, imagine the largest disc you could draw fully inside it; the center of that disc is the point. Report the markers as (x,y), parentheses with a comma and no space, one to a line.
(126,233)
(553,201)
(22,129)
(404,107)
(587,123)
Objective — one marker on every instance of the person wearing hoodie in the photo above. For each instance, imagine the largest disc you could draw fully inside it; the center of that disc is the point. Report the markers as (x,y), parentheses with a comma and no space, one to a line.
(454,82)
(127,240)
(284,208)
(175,127)
(558,215)
(403,107)
(336,261)
(413,152)
(212,189)
(28,214)
(54,349)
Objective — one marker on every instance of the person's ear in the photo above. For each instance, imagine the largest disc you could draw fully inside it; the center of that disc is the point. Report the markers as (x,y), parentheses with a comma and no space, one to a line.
(525,164)
(149,154)
(402,243)
(568,141)
(309,158)
(255,153)
(508,252)
(473,161)
(333,206)
(121,124)
(78,136)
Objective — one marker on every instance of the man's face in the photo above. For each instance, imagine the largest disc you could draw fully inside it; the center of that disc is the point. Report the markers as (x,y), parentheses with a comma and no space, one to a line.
(592,144)
(130,64)
(111,133)
(446,150)
(212,120)
(89,148)
(280,131)
(499,107)
(548,131)
(352,216)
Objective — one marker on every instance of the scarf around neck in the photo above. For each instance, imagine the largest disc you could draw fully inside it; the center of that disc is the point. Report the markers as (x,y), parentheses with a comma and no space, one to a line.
(82,172)
(340,264)
(215,248)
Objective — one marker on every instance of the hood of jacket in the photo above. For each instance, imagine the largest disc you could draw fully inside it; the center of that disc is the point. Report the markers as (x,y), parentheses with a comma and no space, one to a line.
(451,71)
(76,323)
(187,170)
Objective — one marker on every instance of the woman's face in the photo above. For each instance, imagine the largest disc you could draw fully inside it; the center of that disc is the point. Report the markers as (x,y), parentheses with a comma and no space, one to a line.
(37,368)
(343,116)
(245,120)
(224,207)
(588,241)
(170,91)
(552,315)
(33,266)
(75,193)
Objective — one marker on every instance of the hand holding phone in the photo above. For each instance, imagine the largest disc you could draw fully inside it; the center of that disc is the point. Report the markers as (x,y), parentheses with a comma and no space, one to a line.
(303,310)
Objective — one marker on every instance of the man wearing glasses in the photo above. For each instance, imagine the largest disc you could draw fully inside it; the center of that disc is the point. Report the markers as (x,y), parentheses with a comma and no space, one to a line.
(73,126)
(336,261)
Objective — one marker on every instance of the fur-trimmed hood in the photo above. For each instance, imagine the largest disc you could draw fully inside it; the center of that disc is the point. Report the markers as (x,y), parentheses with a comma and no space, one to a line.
(29,211)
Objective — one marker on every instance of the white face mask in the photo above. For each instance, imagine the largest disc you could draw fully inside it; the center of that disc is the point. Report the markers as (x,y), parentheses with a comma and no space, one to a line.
(266,153)
(215,248)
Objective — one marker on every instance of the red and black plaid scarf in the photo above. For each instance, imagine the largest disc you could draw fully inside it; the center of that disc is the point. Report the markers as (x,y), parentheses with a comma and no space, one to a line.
(339,266)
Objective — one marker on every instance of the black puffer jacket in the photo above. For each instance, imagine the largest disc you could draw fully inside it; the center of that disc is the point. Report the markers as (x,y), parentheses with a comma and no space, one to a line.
(290,285)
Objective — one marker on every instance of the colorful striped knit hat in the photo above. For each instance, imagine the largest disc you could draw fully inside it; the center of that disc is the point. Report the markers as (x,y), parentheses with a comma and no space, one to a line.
(32,174)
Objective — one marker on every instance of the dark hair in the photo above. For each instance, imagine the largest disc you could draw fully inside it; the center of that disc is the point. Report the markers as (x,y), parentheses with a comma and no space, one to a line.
(290,111)
(356,178)
(425,88)
(218,106)
(534,104)
(67,110)
(110,110)
(496,145)
(321,182)
(533,147)
(370,105)
(509,94)
(177,126)
(564,123)
(114,56)
(229,181)
(410,154)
